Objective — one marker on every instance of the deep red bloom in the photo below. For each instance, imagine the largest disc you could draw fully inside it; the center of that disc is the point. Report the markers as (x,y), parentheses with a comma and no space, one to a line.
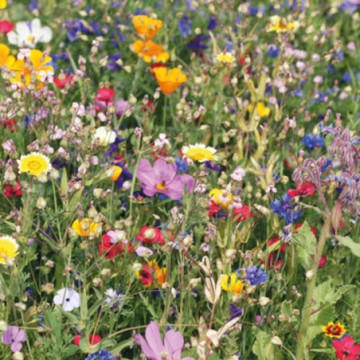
(273,260)
(94,339)
(61,83)
(299,225)
(244,212)
(106,95)
(213,209)
(11,191)
(155,233)
(146,275)
(322,261)
(308,189)
(287,164)
(107,248)
(9,124)
(6,26)
(345,348)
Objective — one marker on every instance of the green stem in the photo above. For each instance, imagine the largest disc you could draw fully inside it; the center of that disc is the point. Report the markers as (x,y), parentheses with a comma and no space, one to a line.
(310,290)
(134,179)
(164,113)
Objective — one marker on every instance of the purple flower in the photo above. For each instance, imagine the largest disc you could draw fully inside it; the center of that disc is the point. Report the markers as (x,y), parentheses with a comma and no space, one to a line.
(121,106)
(154,348)
(285,209)
(255,275)
(13,336)
(162,178)
(184,26)
(311,141)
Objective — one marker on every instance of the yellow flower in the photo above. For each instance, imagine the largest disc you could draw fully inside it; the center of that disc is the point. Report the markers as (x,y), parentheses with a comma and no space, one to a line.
(220,197)
(8,248)
(170,80)
(150,51)
(334,330)
(3,4)
(117,170)
(85,227)
(261,109)
(35,64)
(34,164)
(235,286)
(225,58)
(281,25)
(199,152)
(147,26)
(5,59)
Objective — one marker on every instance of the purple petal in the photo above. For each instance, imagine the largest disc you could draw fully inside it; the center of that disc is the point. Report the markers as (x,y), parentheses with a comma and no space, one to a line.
(21,336)
(145,173)
(164,171)
(146,349)
(153,337)
(7,337)
(174,343)
(16,346)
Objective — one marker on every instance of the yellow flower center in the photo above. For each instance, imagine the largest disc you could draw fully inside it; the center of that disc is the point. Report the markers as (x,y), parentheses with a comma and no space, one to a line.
(31,38)
(200,154)
(34,165)
(161,186)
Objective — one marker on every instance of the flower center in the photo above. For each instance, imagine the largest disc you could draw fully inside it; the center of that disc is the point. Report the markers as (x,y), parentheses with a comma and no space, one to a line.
(31,38)
(34,165)
(161,186)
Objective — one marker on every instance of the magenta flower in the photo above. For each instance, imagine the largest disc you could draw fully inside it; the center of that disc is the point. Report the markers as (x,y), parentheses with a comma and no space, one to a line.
(154,348)
(162,178)
(13,336)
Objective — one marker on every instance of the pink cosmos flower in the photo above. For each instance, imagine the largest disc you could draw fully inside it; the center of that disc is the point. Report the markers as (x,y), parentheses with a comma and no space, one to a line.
(155,349)
(162,178)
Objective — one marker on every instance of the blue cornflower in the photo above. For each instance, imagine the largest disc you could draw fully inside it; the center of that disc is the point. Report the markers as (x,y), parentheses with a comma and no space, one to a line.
(181,165)
(298,93)
(273,51)
(184,26)
(101,355)
(253,10)
(327,164)
(255,275)
(212,23)
(112,62)
(197,44)
(311,141)
(285,209)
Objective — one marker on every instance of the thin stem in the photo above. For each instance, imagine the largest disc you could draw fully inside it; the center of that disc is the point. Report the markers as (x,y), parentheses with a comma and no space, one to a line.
(310,290)
(164,112)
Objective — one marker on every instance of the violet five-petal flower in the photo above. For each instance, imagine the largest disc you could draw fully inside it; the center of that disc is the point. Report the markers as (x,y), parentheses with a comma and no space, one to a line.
(13,336)
(155,349)
(163,178)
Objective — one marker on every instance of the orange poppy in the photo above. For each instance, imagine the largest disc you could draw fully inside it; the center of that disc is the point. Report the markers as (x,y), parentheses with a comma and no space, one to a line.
(170,80)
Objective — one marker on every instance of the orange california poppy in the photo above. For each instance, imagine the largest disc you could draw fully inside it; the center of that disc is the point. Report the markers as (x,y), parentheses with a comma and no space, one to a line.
(147,26)
(170,80)
(150,51)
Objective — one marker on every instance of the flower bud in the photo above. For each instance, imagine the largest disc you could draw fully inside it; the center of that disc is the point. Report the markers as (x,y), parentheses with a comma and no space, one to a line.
(41,203)
(276,341)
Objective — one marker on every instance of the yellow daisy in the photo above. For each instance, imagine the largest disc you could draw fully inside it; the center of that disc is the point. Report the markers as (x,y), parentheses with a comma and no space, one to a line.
(199,152)
(261,109)
(281,25)
(8,248)
(225,58)
(334,330)
(84,227)
(221,197)
(34,164)
(236,286)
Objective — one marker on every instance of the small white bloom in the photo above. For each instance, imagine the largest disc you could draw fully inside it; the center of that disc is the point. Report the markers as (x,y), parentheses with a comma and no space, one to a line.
(28,34)
(238,174)
(68,298)
(104,136)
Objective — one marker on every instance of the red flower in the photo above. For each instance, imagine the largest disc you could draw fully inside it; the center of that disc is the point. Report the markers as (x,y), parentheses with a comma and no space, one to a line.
(213,209)
(322,261)
(107,248)
(275,240)
(61,83)
(94,339)
(151,235)
(273,260)
(105,94)
(345,348)
(307,189)
(287,164)
(11,191)
(6,26)
(146,275)
(9,123)
(340,224)
(243,211)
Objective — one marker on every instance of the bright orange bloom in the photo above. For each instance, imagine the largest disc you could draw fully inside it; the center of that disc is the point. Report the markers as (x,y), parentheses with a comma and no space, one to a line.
(5,59)
(147,26)
(150,51)
(170,80)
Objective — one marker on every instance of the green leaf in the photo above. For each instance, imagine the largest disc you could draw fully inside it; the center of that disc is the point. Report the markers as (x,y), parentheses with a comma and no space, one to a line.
(124,344)
(305,245)
(348,242)
(263,346)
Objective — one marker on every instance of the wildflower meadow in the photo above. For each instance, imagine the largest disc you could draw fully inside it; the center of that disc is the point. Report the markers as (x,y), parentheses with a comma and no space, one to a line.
(180,179)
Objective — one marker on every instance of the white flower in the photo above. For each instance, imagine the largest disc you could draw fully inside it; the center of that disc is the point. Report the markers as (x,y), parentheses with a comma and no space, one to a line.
(238,174)
(69,299)
(104,136)
(161,141)
(29,34)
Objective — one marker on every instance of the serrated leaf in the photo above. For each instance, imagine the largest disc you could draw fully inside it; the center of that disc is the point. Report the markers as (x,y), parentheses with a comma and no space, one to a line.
(305,245)
(349,243)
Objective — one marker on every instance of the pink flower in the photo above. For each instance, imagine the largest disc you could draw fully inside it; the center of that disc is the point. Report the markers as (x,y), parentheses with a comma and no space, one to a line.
(345,349)
(155,349)
(162,178)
